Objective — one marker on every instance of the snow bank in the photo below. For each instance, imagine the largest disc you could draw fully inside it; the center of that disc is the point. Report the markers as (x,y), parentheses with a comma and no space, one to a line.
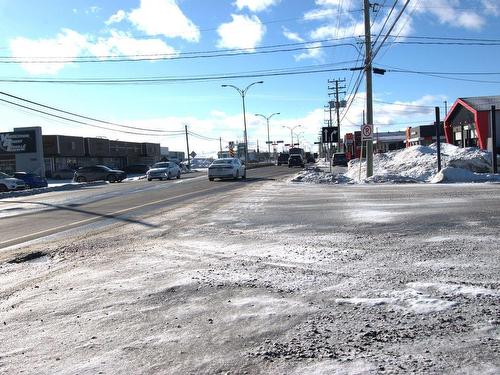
(416,164)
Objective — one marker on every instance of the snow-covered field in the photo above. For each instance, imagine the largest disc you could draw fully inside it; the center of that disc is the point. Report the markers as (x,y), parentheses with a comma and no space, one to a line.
(412,165)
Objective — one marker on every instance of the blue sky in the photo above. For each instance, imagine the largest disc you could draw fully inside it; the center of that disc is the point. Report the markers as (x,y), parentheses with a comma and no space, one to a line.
(46,44)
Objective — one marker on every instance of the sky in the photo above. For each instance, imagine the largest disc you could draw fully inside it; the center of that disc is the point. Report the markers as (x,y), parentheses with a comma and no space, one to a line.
(142,70)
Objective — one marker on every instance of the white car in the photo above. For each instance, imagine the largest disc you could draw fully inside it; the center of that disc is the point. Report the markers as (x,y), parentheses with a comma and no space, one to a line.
(8,183)
(163,170)
(226,168)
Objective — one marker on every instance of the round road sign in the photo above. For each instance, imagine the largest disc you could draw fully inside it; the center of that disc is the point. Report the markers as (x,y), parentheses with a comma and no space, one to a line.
(367,130)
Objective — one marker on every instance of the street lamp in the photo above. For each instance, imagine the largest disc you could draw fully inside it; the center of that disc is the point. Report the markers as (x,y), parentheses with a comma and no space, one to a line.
(268,140)
(291,131)
(243,93)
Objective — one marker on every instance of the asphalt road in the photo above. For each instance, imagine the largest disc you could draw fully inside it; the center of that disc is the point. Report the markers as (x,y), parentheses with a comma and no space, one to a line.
(262,277)
(28,218)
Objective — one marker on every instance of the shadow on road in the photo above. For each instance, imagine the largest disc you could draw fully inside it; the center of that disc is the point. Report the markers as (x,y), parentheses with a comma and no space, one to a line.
(72,207)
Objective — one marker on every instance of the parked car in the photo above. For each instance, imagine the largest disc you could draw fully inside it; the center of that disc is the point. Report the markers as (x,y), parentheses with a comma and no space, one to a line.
(63,174)
(296,160)
(339,158)
(99,172)
(227,168)
(283,158)
(8,183)
(32,180)
(163,169)
(136,168)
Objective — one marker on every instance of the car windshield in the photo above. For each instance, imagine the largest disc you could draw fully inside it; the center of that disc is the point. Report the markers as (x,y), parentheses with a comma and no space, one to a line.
(161,165)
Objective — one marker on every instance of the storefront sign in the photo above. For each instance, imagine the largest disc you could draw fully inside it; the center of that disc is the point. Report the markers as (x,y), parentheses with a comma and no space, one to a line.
(17,142)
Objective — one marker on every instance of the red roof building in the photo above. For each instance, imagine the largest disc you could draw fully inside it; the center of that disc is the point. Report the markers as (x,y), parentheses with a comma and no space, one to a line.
(468,122)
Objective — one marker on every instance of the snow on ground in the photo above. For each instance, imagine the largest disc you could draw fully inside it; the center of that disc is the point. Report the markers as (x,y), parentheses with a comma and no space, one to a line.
(416,164)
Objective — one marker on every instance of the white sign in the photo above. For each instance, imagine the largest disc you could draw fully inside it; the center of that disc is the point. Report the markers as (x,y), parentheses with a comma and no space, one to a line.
(367,131)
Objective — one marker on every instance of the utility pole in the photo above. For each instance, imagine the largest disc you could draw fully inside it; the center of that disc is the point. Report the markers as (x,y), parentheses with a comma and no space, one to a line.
(337,104)
(220,144)
(187,146)
(369,89)
(494,149)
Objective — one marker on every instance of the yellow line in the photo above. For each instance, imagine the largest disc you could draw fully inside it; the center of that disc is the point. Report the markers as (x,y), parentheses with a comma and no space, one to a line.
(76,223)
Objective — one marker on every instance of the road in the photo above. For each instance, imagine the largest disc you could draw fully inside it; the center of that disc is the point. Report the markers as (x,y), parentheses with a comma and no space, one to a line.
(28,218)
(263,277)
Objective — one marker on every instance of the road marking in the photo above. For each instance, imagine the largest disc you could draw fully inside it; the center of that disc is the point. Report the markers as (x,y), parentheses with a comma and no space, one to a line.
(85,221)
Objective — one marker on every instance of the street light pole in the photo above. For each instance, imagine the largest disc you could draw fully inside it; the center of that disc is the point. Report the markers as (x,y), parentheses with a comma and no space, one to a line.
(268,139)
(243,93)
(291,131)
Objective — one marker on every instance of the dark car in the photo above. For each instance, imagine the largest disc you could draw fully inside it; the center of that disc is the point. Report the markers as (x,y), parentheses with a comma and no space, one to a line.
(283,158)
(32,180)
(339,158)
(296,160)
(99,172)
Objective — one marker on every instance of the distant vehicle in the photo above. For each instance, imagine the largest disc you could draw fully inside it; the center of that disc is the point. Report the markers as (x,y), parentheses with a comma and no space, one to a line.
(63,174)
(339,158)
(32,180)
(283,158)
(227,168)
(98,173)
(163,170)
(8,183)
(296,160)
(296,150)
(136,168)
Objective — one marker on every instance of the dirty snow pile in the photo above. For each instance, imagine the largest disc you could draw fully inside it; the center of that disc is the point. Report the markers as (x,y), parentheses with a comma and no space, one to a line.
(416,164)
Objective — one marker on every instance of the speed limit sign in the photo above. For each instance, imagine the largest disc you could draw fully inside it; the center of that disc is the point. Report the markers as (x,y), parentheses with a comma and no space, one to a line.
(367,131)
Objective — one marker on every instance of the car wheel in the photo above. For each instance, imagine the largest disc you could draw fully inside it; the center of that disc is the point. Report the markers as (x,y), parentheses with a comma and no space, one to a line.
(150,179)
(178,175)
(81,179)
(111,178)
(168,176)
(210,179)
(3,188)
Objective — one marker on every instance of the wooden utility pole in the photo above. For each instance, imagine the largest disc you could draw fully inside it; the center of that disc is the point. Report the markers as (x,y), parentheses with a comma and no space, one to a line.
(369,89)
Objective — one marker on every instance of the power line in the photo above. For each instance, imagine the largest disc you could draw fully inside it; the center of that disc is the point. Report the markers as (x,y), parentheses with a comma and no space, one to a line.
(286,47)
(80,122)
(81,116)
(180,79)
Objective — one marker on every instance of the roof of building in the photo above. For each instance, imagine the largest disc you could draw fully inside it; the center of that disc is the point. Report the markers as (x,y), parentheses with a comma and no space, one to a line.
(483,103)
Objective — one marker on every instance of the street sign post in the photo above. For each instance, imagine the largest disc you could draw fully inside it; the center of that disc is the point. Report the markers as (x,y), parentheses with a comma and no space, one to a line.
(330,134)
(367,131)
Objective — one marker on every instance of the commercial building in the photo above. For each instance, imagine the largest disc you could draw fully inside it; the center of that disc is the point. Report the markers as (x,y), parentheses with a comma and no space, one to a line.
(424,135)
(26,149)
(468,123)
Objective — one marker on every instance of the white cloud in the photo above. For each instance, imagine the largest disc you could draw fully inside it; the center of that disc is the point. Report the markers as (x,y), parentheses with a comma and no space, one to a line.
(255,5)
(117,17)
(121,44)
(292,36)
(92,9)
(69,44)
(242,32)
(448,12)
(164,17)
(492,7)
(313,52)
